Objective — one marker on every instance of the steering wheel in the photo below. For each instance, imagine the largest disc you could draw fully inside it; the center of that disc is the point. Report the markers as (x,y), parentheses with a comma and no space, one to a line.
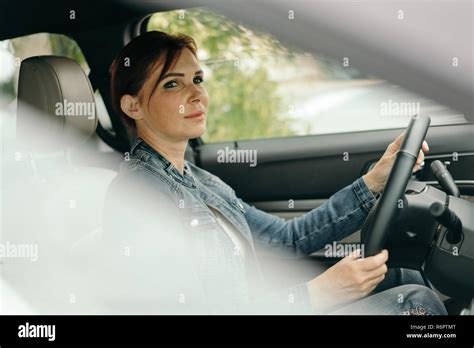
(377,226)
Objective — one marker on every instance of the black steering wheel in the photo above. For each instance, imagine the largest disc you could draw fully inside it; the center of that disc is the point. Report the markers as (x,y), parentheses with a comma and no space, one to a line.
(377,226)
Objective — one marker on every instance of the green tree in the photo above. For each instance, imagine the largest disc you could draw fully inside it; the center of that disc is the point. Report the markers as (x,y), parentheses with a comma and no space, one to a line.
(62,45)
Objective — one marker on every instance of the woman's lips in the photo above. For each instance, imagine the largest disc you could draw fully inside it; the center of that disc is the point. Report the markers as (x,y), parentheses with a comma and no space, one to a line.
(196,115)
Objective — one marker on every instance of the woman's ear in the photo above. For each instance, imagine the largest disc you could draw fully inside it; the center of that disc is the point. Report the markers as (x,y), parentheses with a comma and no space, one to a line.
(131,106)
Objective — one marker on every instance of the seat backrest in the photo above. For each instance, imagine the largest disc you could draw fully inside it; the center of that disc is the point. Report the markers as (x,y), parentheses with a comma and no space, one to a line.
(56,97)
(53,201)
(56,118)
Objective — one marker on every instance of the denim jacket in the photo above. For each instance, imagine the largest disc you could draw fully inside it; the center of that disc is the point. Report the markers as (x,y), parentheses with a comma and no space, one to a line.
(206,275)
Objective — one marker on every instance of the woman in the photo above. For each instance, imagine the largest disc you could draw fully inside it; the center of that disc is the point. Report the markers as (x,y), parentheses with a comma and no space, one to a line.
(157,87)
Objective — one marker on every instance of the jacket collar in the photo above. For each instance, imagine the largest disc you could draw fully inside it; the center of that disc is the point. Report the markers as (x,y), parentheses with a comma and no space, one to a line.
(186,178)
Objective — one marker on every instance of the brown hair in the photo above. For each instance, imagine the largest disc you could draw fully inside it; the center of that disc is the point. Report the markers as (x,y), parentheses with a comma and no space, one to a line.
(133,65)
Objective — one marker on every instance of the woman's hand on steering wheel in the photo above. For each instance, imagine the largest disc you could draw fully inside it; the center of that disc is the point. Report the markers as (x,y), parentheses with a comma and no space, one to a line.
(377,177)
(350,279)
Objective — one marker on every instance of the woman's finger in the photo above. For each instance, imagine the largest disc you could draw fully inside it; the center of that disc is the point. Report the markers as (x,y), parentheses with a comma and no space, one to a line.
(376,273)
(425,146)
(395,145)
(419,161)
(421,157)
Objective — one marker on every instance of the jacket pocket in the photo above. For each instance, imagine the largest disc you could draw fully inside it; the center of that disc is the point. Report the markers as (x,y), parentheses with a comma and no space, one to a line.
(198,218)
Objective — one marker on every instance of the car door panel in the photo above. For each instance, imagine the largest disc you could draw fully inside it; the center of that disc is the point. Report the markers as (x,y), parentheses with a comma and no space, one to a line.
(315,167)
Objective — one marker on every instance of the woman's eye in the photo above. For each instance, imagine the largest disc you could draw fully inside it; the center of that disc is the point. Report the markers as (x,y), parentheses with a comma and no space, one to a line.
(170,84)
(173,83)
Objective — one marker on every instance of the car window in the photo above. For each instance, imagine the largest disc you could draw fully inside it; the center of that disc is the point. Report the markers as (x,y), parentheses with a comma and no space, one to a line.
(261,88)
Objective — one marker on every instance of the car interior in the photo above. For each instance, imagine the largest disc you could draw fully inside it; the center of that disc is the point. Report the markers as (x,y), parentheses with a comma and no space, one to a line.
(296,169)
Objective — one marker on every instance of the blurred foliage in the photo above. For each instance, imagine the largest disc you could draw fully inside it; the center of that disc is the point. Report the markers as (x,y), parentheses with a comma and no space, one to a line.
(244,103)
(7,84)
(62,45)
(7,90)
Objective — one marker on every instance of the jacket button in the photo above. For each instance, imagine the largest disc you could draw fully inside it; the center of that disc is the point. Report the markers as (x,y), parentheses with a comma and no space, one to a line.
(194,222)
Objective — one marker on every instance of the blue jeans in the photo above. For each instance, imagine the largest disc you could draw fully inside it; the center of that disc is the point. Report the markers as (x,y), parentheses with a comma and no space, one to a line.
(402,292)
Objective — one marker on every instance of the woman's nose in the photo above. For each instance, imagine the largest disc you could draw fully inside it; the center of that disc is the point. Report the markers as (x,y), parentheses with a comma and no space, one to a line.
(196,94)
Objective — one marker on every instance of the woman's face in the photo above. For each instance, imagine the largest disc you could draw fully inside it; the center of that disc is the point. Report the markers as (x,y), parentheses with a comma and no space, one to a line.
(166,112)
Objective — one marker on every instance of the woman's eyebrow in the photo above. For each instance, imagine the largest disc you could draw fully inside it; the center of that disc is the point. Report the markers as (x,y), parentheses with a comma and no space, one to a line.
(180,74)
